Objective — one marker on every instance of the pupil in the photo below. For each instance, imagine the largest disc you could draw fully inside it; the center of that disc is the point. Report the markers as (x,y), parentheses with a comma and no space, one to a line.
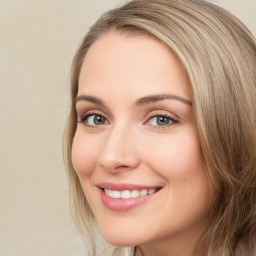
(162,120)
(98,120)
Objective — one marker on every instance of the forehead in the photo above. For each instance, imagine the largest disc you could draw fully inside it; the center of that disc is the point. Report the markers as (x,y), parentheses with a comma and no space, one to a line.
(132,62)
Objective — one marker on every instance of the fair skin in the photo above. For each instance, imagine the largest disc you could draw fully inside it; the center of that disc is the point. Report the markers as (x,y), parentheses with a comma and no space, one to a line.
(136,134)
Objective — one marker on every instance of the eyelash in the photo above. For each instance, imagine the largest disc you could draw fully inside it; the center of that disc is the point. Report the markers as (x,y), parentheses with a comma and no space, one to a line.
(171,120)
(89,114)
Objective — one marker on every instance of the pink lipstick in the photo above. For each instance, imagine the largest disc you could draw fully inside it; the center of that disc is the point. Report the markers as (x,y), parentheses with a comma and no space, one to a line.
(124,197)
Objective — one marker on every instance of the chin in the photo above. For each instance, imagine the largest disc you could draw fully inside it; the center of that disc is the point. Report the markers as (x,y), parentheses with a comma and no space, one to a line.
(120,239)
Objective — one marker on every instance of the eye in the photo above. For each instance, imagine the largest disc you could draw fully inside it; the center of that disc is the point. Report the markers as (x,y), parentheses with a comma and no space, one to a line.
(96,120)
(161,120)
(93,120)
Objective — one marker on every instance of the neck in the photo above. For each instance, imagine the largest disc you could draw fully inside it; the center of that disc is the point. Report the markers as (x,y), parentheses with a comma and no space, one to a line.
(178,245)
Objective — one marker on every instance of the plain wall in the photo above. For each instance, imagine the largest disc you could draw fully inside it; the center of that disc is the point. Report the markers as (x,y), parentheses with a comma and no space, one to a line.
(37,41)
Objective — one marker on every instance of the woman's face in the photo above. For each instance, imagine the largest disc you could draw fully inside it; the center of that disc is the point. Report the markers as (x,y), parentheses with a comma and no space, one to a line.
(136,149)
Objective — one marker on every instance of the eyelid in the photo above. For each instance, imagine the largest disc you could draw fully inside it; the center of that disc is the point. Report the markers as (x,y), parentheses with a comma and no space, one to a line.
(86,114)
(82,107)
(161,113)
(89,112)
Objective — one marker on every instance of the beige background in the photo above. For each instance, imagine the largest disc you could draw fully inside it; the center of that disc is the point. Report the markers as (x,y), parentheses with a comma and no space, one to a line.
(37,41)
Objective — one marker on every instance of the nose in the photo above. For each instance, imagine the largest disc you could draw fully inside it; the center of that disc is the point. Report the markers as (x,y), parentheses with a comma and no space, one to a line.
(119,151)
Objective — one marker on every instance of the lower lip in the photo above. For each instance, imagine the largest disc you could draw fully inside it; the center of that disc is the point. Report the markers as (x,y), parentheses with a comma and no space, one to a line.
(121,205)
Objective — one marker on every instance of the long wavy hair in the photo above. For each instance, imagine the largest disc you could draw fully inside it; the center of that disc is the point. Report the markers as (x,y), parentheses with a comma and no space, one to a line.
(219,55)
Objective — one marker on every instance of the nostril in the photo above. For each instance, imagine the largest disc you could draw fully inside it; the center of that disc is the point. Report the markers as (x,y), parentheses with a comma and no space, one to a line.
(122,167)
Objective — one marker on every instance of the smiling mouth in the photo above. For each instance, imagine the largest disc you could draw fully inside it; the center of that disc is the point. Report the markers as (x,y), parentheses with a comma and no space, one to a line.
(125,197)
(128,194)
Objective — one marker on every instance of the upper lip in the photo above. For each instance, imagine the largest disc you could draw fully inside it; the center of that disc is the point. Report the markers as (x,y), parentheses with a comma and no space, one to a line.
(123,186)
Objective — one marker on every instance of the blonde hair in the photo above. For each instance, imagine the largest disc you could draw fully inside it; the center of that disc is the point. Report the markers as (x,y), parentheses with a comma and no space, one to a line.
(219,55)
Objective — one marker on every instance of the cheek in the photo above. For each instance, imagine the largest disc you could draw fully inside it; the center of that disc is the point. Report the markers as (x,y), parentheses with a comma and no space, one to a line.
(178,159)
(84,159)
(180,164)
(83,155)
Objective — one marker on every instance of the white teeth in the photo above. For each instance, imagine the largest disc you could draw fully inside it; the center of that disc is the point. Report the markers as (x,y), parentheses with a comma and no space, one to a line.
(143,192)
(126,194)
(115,194)
(151,191)
(107,192)
(135,193)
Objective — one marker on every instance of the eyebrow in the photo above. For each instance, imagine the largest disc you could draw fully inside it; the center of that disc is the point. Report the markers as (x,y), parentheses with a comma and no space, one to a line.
(155,98)
(90,99)
(142,101)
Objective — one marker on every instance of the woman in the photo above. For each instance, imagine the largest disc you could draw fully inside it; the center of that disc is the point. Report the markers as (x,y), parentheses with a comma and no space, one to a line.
(161,142)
